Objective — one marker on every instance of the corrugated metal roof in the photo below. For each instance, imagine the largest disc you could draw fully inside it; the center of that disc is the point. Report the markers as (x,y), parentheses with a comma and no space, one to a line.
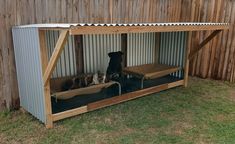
(68,25)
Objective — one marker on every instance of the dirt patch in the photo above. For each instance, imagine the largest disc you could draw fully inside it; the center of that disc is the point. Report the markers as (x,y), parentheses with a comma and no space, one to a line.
(232,95)
(4,140)
(220,117)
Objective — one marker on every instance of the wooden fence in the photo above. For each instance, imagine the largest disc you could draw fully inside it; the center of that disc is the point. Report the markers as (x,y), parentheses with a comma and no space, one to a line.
(216,61)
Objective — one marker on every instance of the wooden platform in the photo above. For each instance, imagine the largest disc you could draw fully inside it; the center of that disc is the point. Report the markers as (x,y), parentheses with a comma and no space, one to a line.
(86,90)
(151,71)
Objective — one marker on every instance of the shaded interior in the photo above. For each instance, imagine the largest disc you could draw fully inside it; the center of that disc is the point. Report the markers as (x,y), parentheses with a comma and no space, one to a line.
(128,85)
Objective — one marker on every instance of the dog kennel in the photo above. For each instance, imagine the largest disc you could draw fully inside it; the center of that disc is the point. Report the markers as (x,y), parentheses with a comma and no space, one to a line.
(156,57)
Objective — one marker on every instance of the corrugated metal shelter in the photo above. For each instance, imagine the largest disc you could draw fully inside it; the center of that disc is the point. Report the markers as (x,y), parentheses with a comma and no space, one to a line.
(44,52)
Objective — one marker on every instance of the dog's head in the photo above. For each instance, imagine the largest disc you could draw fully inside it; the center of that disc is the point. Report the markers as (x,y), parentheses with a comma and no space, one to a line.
(116,56)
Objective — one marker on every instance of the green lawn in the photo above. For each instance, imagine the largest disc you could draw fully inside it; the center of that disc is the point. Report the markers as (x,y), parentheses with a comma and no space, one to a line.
(202,113)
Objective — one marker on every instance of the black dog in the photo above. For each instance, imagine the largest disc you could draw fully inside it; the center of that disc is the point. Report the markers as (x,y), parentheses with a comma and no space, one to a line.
(114,70)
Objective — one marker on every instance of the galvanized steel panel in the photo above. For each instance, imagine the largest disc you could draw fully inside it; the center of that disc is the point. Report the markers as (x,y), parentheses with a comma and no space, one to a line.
(96,49)
(29,71)
(66,65)
(172,50)
(140,48)
(68,25)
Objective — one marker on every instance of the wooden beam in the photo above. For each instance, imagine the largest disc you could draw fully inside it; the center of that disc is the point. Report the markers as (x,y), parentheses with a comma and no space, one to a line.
(47,96)
(55,55)
(186,62)
(175,84)
(203,43)
(132,95)
(140,29)
(78,40)
(83,91)
(69,113)
(124,49)
(157,47)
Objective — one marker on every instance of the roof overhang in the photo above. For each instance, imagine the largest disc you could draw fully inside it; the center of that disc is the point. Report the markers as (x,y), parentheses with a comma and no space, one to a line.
(171,27)
(80,29)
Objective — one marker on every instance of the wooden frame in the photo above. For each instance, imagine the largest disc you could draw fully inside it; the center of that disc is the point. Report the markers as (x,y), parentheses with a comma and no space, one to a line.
(48,66)
(47,95)
(203,43)
(140,29)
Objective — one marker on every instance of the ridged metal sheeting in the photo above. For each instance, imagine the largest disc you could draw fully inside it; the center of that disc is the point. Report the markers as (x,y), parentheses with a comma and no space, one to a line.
(29,71)
(96,49)
(151,24)
(140,48)
(66,65)
(68,25)
(172,50)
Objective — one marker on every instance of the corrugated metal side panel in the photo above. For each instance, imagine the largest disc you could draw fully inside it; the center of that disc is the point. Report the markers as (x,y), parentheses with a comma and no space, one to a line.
(96,49)
(140,48)
(29,71)
(66,65)
(172,50)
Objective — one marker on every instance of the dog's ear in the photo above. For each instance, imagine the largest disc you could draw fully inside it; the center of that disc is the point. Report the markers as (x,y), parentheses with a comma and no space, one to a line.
(111,54)
(120,52)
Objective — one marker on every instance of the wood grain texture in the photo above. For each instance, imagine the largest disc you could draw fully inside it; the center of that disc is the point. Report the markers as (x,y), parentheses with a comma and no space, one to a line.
(216,61)
(69,113)
(140,29)
(47,96)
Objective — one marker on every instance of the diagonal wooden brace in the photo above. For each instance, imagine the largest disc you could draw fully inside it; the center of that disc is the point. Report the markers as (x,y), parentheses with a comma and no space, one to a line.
(55,55)
(203,43)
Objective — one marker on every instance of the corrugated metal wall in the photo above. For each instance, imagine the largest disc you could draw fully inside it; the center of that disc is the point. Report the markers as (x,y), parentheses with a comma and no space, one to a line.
(66,65)
(172,50)
(140,48)
(29,71)
(96,49)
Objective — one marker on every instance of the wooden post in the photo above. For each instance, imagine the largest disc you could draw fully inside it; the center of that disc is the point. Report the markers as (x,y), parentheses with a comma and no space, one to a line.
(186,64)
(157,47)
(47,96)
(78,39)
(124,49)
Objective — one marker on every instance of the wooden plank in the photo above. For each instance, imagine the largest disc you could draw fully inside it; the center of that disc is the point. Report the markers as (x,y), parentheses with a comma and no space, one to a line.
(124,49)
(47,96)
(55,55)
(157,47)
(78,40)
(131,95)
(4,73)
(203,43)
(140,29)
(69,113)
(82,91)
(150,71)
(186,62)
(175,84)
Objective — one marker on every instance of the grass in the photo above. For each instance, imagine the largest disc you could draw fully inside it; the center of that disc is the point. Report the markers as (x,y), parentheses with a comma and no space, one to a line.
(202,113)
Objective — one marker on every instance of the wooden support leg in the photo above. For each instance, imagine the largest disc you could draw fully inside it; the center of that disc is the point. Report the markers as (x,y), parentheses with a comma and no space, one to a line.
(186,64)
(49,122)
(47,97)
(48,68)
